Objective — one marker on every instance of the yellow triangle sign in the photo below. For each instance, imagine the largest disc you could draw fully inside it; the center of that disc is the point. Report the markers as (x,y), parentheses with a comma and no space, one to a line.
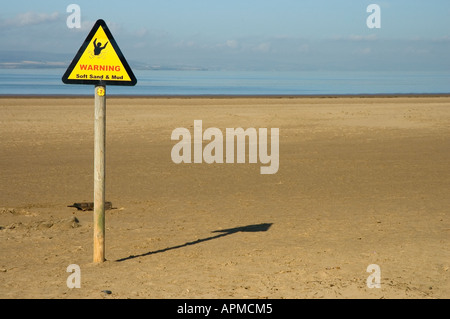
(99,61)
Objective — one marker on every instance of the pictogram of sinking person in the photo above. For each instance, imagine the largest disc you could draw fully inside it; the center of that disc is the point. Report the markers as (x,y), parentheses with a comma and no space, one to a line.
(98,47)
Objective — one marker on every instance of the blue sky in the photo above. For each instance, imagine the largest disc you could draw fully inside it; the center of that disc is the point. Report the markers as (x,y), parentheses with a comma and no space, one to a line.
(244,34)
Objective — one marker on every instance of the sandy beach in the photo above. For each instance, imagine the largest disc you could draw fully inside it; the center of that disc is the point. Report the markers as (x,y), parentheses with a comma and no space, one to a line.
(361,181)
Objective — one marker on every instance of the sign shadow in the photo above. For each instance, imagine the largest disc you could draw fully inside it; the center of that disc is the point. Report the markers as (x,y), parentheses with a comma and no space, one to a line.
(222,233)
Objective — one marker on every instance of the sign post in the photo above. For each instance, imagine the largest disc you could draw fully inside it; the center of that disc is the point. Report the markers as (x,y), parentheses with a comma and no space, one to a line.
(99,173)
(99,62)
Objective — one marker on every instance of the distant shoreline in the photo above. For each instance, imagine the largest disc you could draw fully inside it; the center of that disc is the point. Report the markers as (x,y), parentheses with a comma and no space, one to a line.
(213,96)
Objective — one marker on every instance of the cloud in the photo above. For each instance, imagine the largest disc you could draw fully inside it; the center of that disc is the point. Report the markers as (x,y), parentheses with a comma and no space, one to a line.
(444,39)
(263,47)
(141,33)
(185,44)
(232,44)
(356,38)
(364,51)
(31,18)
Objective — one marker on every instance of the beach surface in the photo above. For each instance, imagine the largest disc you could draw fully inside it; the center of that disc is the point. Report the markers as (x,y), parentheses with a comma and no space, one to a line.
(362,181)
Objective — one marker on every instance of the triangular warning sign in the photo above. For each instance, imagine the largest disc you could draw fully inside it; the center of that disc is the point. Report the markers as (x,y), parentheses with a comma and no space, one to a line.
(99,61)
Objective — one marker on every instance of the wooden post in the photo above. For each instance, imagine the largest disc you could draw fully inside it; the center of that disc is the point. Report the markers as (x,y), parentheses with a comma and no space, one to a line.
(99,173)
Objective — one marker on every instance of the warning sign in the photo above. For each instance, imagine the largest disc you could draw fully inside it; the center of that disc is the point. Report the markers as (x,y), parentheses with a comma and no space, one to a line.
(99,61)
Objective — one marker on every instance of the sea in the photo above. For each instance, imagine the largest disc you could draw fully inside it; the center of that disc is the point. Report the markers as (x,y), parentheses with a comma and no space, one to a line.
(234,83)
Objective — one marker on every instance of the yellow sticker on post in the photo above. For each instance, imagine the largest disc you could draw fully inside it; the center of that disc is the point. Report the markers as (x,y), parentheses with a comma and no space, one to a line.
(99,61)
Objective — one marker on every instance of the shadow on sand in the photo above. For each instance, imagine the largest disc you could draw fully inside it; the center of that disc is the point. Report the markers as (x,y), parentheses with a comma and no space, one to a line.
(222,233)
